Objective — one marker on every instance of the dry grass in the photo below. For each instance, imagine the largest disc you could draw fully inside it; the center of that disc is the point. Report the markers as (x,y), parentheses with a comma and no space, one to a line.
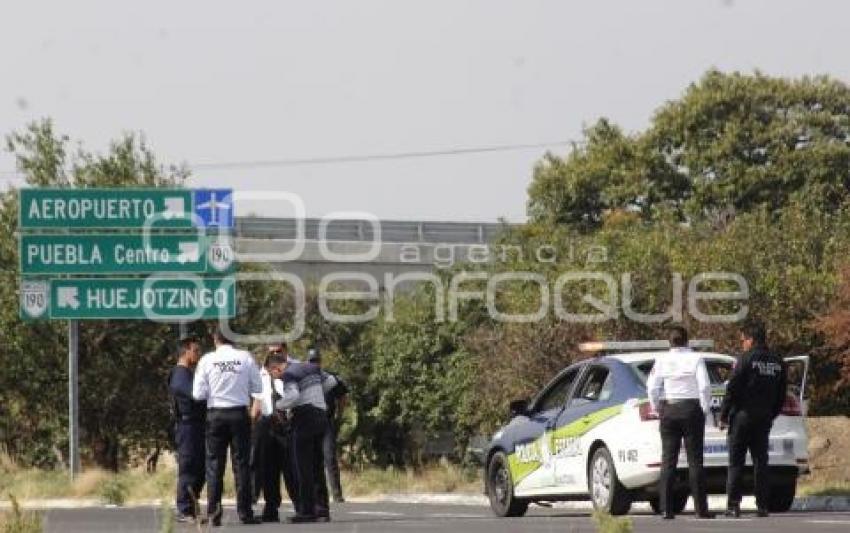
(16,520)
(128,486)
(88,483)
(824,489)
(438,478)
(139,486)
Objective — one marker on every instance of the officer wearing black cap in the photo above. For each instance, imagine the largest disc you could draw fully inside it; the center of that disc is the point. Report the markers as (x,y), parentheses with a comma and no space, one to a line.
(226,378)
(754,398)
(189,419)
(303,390)
(680,392)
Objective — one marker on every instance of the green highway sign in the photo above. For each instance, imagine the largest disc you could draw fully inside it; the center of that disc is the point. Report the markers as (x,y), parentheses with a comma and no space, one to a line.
(42,208)
(124,254)
(164,299)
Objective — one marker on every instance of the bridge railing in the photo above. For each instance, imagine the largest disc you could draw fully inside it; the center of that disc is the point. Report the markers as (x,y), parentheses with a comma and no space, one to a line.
(362,230)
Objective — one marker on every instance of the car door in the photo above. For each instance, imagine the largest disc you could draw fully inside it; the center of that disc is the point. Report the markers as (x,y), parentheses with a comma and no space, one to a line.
(591,403)
(798,373)
(532,465)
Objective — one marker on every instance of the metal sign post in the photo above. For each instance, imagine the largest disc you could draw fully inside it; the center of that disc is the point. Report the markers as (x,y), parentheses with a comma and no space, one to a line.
(73,398)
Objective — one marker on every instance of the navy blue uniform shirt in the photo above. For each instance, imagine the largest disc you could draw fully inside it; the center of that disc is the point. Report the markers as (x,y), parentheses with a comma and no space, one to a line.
(180,386)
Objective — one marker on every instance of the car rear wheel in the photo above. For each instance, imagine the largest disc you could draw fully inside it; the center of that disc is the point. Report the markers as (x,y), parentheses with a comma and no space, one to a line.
(606,491)
(782,497)
(500,488)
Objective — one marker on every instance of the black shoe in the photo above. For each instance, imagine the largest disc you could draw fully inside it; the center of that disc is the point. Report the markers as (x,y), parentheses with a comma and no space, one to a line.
(762,513)
(270,517)
(251,520)
(668,516)
(184,518)
(302,519)
(733,511)
(706,515)
(215,520)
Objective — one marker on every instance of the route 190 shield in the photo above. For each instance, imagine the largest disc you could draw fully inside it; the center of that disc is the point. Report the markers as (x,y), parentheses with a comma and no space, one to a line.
(220,255)
(35,298)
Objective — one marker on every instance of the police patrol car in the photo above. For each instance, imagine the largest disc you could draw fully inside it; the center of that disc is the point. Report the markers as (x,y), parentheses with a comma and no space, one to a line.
(591,434)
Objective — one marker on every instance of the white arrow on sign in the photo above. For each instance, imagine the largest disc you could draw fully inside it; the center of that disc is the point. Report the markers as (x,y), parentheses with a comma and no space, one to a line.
(68,297)
(174,208)
(189,252)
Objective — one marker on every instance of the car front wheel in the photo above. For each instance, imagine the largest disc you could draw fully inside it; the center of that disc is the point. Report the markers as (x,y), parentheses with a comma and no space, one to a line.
(606,491)
(500,488)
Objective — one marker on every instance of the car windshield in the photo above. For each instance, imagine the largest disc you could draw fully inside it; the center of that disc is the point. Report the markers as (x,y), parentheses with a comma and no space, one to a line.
(719,370)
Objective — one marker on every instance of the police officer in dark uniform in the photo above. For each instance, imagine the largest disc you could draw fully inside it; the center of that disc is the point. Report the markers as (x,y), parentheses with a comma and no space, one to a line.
(335,400)
(226,378)
(754,398)
(680,392)
(272,454)
(189,419)
(303,390)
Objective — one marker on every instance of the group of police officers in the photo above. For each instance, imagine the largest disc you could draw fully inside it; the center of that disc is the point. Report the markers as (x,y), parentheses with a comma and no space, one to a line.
(680,392)
(278,421)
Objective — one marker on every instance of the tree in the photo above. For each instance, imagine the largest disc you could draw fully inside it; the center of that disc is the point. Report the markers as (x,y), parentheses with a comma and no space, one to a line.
(609,172)
(731,144)
(833,376)
(122,363)
(748,141)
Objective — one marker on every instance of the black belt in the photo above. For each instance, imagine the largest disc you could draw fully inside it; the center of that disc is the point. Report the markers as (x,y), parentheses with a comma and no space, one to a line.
(225,409)
(681,400)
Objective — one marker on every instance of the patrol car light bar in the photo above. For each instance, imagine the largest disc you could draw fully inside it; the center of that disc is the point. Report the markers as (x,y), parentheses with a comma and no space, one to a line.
(633,346)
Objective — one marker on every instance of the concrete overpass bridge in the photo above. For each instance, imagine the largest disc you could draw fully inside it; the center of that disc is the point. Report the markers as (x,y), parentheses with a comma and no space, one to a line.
(311,248)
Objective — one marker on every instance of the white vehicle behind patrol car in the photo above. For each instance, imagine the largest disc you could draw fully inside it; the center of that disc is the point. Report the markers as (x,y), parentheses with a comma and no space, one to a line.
(591,434)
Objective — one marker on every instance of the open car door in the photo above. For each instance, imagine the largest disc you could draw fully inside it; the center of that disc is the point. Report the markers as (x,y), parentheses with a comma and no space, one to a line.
(798,373)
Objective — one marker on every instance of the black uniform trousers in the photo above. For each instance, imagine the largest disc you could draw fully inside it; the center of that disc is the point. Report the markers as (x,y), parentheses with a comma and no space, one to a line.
(749,431)
(309,425)
(272,457)
(191,455)
(230,427)
(682,419)
(331,460)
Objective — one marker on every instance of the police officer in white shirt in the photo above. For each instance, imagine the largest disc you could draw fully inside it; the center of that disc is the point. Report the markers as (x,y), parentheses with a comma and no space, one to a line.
(680,392)
(226,378)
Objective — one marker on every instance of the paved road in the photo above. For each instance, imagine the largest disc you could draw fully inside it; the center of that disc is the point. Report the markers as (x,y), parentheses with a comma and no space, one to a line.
(394,518)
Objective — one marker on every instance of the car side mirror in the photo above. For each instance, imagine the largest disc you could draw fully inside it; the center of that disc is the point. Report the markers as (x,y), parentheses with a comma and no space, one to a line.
(519,408)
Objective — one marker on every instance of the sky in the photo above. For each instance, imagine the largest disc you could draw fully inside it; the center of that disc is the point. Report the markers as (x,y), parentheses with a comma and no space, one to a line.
(222,86)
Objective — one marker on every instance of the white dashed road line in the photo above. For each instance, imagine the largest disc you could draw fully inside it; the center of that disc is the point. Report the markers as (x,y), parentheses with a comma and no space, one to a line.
(375,513)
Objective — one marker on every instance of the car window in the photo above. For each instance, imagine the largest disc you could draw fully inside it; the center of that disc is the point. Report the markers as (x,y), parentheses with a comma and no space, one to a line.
(718,370)
(556,395)
(596,386)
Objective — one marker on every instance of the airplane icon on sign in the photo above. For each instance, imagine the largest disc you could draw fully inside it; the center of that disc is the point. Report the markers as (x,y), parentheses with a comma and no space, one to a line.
(219,207)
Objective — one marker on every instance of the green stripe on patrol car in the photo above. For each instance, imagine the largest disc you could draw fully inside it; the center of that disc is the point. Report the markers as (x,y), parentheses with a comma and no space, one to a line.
(587,422)
(528,457)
